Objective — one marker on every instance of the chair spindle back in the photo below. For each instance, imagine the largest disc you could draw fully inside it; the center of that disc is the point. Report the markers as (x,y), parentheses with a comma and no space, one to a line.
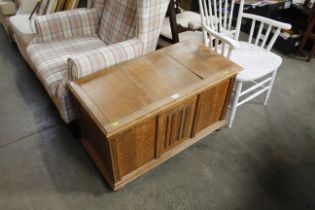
(263,33)
(219,15)
(220,44)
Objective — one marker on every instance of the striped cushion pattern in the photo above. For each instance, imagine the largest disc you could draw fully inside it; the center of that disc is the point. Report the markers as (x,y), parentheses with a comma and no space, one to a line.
(67,24)
(150,16)
(118,22)
(50,59)
(86,63)
(99,6)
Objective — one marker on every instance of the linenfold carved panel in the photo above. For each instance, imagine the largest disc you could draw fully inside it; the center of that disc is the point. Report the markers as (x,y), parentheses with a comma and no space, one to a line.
(175,125)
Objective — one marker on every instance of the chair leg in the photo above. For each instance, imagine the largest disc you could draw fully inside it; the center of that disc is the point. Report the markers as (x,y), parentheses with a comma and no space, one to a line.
(234,104)
(312,53)
(270,87)
(302,45)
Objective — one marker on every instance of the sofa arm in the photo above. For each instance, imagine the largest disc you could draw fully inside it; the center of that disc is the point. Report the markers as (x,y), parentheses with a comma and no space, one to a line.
(67,24)
(8,8)
(83,64)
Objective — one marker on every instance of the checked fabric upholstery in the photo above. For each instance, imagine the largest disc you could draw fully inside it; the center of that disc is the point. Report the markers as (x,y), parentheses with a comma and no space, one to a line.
(72,44)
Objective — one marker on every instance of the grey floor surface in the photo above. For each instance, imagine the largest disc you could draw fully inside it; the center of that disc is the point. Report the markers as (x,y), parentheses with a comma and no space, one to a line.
(266,161)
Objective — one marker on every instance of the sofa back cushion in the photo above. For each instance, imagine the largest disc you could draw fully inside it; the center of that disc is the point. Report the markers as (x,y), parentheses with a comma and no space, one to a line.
(97,4)
(118,22)
(151,15)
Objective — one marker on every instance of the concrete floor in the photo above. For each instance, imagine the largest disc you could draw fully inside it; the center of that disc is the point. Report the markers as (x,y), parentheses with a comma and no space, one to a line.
(266,161)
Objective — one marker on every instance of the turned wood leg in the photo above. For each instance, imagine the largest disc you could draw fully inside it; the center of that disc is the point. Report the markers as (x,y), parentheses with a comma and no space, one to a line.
(308,33)
(302,44)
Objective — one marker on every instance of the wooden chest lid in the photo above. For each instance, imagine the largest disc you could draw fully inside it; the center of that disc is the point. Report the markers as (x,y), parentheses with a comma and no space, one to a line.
(119,96)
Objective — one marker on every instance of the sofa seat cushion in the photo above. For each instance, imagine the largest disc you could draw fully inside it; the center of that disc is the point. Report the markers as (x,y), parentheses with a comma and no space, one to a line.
(8,7)
(50,58)
(23,28)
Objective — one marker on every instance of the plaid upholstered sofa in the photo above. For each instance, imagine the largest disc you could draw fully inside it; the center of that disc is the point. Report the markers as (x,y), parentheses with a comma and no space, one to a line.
(22,28)
(72,44)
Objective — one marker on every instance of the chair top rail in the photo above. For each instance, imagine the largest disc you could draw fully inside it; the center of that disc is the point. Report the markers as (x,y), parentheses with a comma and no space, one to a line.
(217,14)
(267,21)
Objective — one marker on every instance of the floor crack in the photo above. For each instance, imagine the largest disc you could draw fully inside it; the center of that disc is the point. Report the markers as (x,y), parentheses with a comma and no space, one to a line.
(26,136)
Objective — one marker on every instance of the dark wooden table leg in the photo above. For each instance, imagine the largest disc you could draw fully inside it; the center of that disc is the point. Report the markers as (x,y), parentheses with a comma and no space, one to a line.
(173,22)
(312,53)
(309,35)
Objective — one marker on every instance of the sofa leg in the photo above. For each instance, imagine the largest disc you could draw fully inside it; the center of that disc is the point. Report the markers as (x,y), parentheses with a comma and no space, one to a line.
(75,129)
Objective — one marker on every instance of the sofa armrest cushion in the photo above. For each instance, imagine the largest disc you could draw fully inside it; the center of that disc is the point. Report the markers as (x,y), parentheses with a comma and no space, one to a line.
(67,24)
(95,60)
(8,8)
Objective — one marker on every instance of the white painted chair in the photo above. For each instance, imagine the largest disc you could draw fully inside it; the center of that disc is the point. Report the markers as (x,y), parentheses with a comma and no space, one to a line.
(259,64)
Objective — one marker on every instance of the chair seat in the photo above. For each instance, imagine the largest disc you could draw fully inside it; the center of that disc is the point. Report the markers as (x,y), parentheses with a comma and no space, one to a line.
(186,19)
(256,62)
